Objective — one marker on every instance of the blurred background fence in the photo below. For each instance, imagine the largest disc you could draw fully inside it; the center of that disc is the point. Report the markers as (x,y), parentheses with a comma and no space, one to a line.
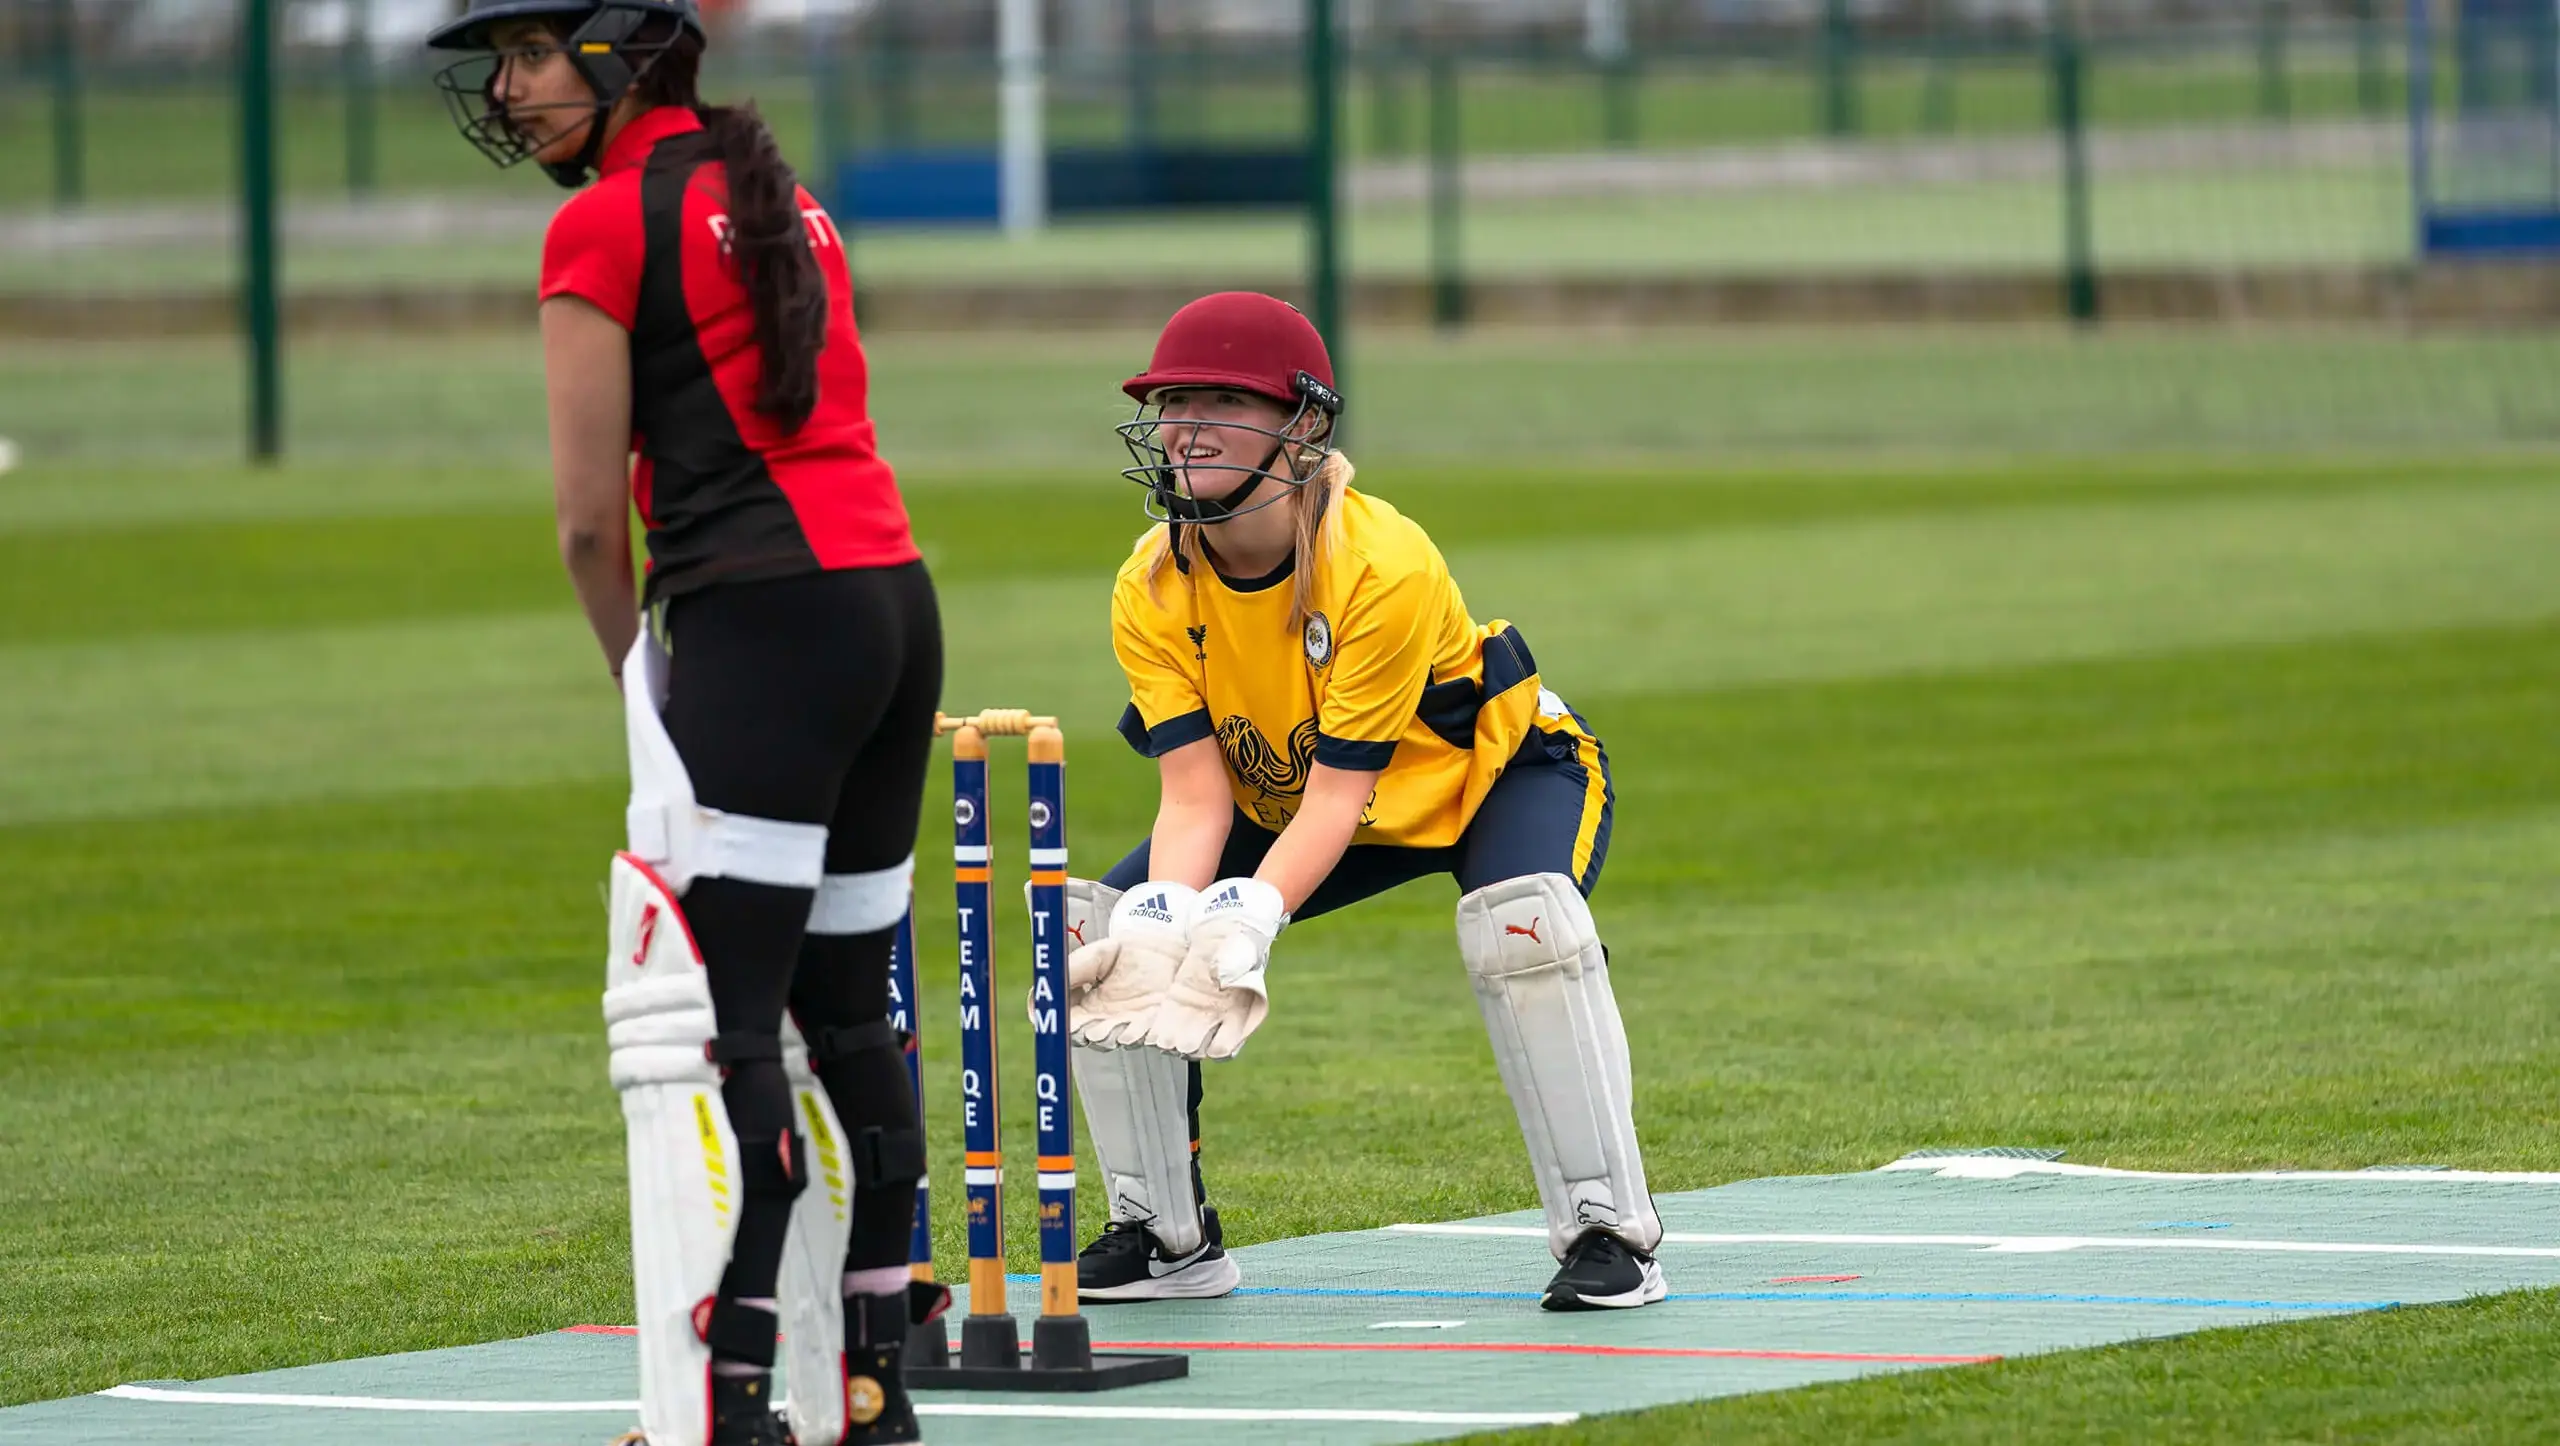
(1579,225)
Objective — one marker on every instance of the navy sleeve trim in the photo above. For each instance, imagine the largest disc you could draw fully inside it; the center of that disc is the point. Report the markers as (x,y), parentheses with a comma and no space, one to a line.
(1166,736)
(1355,757)
(1507,663)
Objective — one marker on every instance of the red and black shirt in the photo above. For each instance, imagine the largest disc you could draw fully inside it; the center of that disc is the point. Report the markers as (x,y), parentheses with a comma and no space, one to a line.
(725,492)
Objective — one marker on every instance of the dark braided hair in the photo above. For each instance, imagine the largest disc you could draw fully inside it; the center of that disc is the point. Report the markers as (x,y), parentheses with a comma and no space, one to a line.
(768,237)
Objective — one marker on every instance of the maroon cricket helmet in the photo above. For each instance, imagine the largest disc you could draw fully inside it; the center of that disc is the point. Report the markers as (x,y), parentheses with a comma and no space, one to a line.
(1245,340)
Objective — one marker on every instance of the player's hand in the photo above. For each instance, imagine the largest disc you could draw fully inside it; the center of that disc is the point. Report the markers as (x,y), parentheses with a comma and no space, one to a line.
(1219,998)
(1115,984)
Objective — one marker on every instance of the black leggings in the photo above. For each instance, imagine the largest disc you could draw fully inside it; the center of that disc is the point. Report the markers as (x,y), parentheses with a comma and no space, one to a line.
(806,699)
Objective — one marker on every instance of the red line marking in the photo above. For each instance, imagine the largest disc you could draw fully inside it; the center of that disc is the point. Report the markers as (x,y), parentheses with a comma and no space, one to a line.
(1528,1348)
(1539,1348)
(1812,1279)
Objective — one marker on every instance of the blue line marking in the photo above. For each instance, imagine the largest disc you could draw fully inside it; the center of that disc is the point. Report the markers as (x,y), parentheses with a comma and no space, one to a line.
(2188,1225)
(2191,1302)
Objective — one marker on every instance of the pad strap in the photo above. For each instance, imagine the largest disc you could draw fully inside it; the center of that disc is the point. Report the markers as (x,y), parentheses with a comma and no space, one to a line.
(728,1049)
(826,1046)
(739,1332)
(887,1156)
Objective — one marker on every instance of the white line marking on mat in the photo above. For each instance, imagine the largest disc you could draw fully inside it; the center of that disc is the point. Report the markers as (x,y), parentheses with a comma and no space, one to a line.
(1028,1410)
(2001,1167)
(364,1403)
(2040,1244)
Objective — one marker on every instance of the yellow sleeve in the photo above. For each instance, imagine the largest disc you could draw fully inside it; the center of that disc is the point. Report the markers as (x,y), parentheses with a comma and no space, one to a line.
(1381,663)
(1165,709)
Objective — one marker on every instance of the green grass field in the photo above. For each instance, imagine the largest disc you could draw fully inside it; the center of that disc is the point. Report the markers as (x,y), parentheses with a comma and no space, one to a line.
(441,420)
(2019,741)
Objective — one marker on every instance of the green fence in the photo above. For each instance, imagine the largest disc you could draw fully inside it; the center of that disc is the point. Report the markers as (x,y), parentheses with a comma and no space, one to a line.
(2230,182)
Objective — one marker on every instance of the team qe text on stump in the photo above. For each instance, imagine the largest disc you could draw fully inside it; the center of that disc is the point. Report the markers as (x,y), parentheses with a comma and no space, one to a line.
(991,1356)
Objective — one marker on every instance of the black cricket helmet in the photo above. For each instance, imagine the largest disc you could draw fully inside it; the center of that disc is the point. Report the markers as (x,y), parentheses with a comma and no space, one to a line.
(612,43)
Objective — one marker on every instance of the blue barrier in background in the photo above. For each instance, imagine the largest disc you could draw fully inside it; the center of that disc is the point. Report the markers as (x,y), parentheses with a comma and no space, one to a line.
(964,187)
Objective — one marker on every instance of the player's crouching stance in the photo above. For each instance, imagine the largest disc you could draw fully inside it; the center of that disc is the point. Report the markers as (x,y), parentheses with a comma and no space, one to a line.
(696,311)
(1329,723)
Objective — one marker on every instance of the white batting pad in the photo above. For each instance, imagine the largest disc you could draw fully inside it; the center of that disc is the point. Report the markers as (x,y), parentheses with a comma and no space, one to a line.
(677,836)
(811,1291)
(1137,1108)
(683,1155)
(1542,984)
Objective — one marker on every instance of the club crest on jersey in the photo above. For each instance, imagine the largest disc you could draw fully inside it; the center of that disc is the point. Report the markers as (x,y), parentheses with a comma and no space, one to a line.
(1319,640)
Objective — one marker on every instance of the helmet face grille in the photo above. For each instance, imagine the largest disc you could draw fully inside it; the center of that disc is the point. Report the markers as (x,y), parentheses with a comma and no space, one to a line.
(602,50)
(1292,454)
(470,90)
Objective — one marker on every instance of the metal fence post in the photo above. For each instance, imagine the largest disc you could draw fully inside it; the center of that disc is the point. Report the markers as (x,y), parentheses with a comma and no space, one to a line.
(1448,198)
(1938,86)
(2275,96)
(2070,109)
(1142,75)
(1324,182)
(70,149)
(2370,75)
(357,59)
(1839,60)
(258,227)
(1385,58)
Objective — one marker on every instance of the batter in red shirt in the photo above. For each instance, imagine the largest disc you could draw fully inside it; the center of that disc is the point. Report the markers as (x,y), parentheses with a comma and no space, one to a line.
(781,663)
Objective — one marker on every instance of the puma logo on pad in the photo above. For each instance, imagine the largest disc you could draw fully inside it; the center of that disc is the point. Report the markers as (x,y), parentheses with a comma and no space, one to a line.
(648,934)
(1530,933)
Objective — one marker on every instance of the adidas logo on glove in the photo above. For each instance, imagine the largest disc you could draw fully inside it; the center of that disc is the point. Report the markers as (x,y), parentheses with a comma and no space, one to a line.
(1162,908)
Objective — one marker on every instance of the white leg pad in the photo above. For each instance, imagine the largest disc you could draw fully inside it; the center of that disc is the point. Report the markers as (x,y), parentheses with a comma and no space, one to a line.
(683,1155)
(811,1289)
(1542,984)
(675,835)
(1137,1108)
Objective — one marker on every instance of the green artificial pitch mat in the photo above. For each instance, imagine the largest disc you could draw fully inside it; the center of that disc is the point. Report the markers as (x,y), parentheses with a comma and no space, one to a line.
(1421,1331)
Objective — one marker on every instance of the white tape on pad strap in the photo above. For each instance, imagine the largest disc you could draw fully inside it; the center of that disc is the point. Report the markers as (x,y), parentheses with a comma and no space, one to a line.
(673,832)
(863,903)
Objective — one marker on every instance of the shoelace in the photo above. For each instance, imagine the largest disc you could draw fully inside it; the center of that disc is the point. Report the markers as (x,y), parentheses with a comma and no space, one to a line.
(1119,1238)
(1603,1249)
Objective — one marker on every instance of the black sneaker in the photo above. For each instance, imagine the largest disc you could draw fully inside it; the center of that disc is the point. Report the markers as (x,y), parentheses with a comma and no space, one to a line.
(1602,1272)
(742,1413)
(1127,1262)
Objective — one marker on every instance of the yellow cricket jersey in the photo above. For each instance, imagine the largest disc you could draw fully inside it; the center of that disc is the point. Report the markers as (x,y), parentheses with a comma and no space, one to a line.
(1386,674)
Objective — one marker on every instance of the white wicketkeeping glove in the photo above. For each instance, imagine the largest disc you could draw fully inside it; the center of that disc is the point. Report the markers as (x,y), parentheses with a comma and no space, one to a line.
(1219,998)
(1115,984)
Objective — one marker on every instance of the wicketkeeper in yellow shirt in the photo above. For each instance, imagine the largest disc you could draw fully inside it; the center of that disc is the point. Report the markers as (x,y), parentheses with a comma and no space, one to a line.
(1329,723)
